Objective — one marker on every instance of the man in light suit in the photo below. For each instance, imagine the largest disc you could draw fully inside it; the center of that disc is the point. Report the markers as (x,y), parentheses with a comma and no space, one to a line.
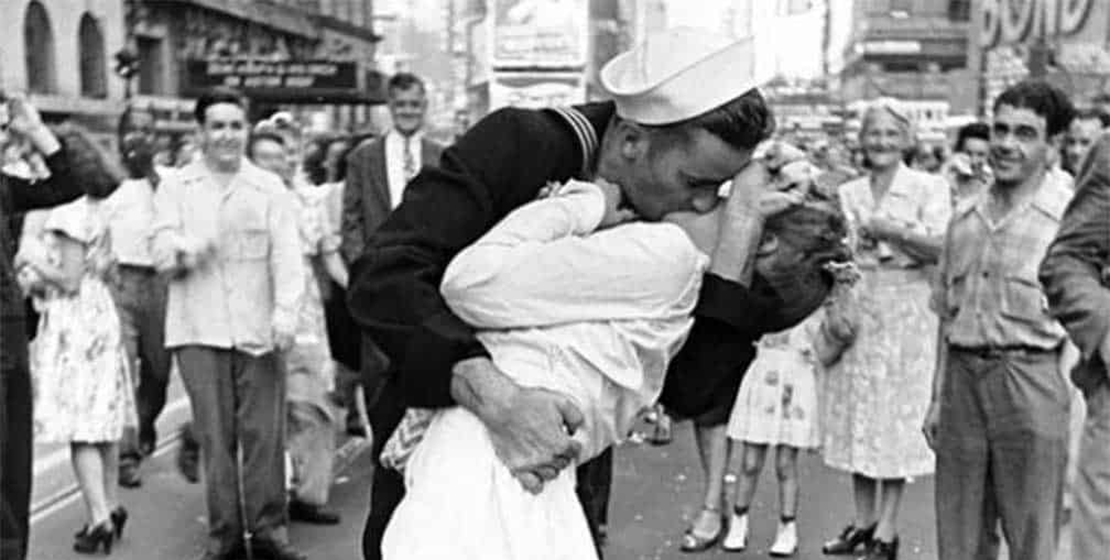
(377,172)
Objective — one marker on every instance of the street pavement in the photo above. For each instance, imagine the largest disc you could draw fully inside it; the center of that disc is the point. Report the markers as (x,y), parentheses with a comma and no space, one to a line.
(655,494)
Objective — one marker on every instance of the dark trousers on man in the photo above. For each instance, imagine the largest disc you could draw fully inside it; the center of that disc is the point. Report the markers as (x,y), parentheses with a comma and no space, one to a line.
(15,443)
(238,404)
(140,296)
(1001,453)
(388,486)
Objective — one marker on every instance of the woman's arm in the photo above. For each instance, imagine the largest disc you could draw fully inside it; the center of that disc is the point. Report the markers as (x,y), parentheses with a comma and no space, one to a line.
(69,267)
(539,266)
(336,269)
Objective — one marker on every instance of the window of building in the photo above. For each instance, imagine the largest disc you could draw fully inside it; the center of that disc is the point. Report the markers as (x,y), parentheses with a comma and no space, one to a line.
(151,75)
(959,10)
(90,41)
(38,45)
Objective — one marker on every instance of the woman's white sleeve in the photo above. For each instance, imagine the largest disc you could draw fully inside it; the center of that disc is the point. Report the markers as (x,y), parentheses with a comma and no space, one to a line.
(542,266)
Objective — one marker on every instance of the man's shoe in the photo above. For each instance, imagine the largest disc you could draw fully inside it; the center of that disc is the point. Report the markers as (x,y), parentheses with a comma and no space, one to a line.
(264,547)
(129,476)
(308,513)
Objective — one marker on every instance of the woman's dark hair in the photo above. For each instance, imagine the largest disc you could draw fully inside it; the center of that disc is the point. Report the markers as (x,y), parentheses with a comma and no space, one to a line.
(975,130)
(219,94)
(89,162)
(741,123)
(314,160)
(1042,98)
(816,227)
(341,161)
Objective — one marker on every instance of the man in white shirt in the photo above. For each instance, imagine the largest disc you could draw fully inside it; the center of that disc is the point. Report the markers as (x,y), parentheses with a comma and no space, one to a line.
(225,232)
(378,171)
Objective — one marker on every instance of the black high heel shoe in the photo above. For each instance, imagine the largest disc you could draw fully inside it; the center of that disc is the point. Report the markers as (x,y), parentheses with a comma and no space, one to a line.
(119,519)
(91,539)
(879,550)
(849,540)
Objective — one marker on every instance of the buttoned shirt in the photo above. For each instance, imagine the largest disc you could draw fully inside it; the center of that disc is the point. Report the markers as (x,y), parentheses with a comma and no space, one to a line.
(987,289)
(129,213)
(395,147)
(251,281)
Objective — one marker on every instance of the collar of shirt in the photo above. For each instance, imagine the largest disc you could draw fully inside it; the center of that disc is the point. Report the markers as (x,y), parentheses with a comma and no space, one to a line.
(395,161)
(248,176)
(1051,199)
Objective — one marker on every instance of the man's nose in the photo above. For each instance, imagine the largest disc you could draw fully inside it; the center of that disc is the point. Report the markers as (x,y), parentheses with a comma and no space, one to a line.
(704,202)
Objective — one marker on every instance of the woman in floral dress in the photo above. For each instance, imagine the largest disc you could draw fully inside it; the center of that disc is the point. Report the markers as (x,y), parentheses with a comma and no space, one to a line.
(82,389)
(878,393)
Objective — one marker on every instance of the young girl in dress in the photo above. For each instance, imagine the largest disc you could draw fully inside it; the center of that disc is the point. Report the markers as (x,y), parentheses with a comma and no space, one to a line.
(83,393)
(777,407)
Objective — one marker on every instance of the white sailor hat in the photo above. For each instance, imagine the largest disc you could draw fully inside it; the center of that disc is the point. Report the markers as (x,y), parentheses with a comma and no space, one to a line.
(678,74)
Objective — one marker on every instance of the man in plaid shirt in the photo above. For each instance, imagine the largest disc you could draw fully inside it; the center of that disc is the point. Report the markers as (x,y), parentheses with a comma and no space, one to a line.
(999,415)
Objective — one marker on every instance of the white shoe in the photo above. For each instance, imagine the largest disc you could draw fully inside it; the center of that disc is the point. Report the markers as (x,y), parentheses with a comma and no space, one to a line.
(737,538)
(786,540)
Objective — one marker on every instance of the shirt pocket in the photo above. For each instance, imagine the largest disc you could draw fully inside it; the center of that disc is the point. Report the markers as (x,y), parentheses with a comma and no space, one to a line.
(1022,299)
(251,243)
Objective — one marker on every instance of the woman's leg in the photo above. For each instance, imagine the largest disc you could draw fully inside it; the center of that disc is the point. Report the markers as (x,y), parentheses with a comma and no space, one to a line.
(751,464)
(864,490)
(109,457)
(713,446)
(887,528)
(89,468)
(786,467)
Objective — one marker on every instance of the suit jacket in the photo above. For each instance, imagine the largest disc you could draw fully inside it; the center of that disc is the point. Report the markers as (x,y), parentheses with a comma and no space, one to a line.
(501,163)
(1076,270)
(366,199)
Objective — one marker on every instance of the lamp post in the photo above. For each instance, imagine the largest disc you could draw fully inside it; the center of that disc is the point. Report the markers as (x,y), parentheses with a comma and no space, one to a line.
(127,58)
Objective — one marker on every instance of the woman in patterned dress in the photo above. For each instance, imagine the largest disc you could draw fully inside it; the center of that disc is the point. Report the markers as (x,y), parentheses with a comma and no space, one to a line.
(878,393)
(83,394)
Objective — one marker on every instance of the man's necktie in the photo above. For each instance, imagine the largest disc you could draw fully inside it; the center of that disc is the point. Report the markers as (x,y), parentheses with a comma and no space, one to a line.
(410,160)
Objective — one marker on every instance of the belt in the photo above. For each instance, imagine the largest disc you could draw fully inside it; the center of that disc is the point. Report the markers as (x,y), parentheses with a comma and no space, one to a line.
(1000,351)
(137,269)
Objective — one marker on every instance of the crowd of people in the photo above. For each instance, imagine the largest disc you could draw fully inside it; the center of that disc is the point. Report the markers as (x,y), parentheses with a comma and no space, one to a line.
(501,311)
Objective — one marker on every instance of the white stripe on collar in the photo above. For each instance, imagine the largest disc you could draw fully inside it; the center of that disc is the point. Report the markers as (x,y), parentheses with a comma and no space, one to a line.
(584,131)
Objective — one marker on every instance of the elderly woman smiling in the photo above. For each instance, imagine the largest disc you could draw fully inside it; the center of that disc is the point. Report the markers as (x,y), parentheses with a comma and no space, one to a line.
(878,393)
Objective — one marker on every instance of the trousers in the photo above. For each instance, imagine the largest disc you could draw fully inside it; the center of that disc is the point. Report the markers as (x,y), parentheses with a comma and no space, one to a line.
(1001,453)
(15,445)
(140,296)
(238,400)
(1091,505)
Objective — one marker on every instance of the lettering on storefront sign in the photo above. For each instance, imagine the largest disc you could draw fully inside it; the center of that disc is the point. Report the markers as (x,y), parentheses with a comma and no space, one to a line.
(1006,22)
(252,74)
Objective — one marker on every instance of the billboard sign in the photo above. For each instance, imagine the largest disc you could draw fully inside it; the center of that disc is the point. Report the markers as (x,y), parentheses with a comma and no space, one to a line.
(540,33)
(247,74)
(536,90)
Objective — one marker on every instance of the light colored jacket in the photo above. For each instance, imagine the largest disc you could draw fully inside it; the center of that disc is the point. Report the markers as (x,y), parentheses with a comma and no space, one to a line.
(247,281)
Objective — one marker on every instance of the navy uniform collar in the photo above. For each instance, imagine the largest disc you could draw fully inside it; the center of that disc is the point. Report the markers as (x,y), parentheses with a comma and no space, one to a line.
(588,122)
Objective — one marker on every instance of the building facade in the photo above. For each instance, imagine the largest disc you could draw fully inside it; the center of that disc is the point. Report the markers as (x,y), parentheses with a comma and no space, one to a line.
(914,50)
(1065,42)
(305,54)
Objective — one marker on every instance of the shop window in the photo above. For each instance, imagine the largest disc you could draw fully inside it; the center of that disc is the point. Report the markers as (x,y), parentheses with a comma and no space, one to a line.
(38,46)
(90,40)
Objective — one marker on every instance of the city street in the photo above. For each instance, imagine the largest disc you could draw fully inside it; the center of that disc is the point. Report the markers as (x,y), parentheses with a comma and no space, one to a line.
(655,492)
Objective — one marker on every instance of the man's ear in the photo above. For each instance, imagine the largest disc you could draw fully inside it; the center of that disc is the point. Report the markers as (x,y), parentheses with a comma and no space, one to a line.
(634,140)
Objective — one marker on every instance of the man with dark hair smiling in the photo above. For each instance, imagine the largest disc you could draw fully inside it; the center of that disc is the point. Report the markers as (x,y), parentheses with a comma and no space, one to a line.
(998,420)
(223,234)
(684,120)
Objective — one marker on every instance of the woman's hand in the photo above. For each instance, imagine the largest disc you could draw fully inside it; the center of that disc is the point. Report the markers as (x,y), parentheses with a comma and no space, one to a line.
(24,120)
(883,228)
(614,213)
(931,424)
